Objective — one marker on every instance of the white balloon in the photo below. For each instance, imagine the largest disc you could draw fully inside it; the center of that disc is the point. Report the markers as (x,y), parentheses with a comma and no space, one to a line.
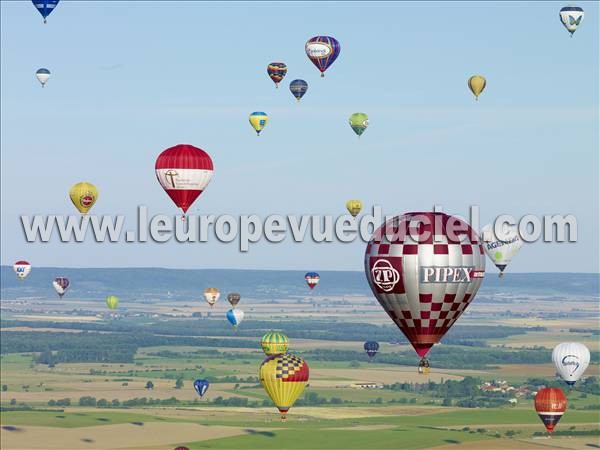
(43,75)
(22,269)
(235,316)
(571,17)
(501,249)
(571,359)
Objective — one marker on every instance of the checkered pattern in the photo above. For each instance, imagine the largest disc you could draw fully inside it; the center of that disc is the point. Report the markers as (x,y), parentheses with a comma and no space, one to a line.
(425,311)
(291,368)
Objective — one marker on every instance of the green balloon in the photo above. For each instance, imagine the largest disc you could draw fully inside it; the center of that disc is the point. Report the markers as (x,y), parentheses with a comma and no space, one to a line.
(359,122)
(112,301)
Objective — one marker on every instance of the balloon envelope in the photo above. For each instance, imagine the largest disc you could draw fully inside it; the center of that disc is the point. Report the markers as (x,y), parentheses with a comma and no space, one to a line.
(84,196)
(298,88)
(60,284)
(550,404)
(276,71)
(477,85)
(42,75)
(258,121)
(235,316)
(22,269)
(322,51)
(274,343)
(211,295)
(424,269)
(45,7)
(233,298)
(312,279)
(201,386)
(571,17)
(371,347)
(359,123)
(501,249)
(354,207)
(284,378)
(112,301)
(571,359)
(184,172)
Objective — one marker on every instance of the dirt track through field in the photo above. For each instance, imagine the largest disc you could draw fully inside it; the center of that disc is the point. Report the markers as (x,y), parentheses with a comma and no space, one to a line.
(109,437)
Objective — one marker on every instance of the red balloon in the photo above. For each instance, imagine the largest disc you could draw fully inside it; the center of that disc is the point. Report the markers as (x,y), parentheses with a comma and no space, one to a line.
(184,171)
(550,404)
(424,269)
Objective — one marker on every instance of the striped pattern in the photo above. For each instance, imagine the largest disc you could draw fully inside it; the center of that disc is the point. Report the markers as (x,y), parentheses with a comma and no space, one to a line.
(277,71)
(550,404)
(184,171)
(274,343)
(322,51)
(399,255)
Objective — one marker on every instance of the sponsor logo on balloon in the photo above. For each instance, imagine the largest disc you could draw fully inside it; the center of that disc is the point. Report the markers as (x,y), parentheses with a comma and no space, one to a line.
(384,275)
(449,274)
(571,360)
(86,200)
(496,244)
(318,50)
(170,176)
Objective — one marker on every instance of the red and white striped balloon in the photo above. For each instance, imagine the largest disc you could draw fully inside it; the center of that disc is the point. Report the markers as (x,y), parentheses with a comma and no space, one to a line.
(424,269)
(184,171)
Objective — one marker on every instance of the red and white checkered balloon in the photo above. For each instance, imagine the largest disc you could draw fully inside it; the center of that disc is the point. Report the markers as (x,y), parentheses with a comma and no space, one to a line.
(424,269)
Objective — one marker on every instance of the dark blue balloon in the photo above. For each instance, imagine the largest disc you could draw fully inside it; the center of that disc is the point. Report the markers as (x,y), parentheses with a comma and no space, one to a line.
(298,88)
(45,7)
(371,347)
(201,387)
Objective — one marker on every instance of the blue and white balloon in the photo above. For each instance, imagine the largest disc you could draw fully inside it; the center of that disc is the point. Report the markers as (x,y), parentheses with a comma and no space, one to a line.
(571,17)
(235,317)
(571,359)
(201,386)
(45,7)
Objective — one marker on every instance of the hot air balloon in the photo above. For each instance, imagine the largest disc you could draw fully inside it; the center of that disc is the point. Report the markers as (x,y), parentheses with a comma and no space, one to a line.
(22,269)
(424,269)
(42,76)
(477,85)
(571,359)
(235,317)
(83,195)
(359,123)
(298,88)
(184,171)
(550,404)
(312,279)
(501,249)
(61,284)
(571,17)
(211,295)
(201,387)
(354,207)
(371,347)
(284,378)
(233,298)
(322,51)
(258,120)
(112,301)
(274,343)
(276,71)
(45,7)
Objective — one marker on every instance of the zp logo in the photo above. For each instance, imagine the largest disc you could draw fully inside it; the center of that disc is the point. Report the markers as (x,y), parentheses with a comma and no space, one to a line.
(384,275)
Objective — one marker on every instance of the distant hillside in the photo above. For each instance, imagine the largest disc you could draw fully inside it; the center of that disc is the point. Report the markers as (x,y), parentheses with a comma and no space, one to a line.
(140,283)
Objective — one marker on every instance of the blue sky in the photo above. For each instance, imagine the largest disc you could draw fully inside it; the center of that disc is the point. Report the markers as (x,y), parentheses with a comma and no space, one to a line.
(129,80)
